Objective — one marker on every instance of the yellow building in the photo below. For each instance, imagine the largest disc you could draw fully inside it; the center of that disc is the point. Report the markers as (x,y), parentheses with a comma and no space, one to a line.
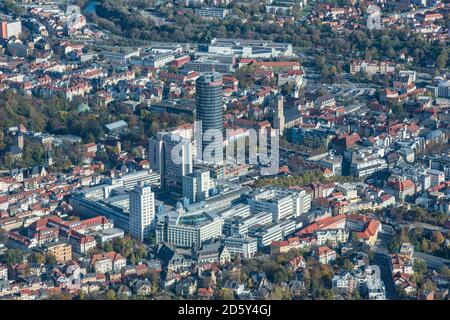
(61,251)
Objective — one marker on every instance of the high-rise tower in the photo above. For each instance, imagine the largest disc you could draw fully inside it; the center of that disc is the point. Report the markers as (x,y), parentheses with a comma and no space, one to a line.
(171,154)
(209,103)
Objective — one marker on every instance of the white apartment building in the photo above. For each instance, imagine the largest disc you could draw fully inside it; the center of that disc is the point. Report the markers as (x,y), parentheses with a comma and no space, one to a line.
(344,281)
(212,12)
(335,236)
(273,232)
(375,286)
(142,211)
(443,89)
(436,176)
(282,203)
(363,166)
(107,262)
(241,246)
(332,162)
(196,185)
(129,180)
(241,226)
(3,272)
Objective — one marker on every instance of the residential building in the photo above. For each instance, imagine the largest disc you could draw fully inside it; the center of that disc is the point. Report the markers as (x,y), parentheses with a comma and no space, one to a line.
(213,12)
(60,250)
(324,254)
(9,29)
(108,262)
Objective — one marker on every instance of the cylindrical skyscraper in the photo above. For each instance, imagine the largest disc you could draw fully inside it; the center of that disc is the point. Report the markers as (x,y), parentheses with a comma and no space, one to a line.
(209,103)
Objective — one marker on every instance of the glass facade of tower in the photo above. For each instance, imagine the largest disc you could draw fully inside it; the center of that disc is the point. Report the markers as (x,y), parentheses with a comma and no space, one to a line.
(209,103)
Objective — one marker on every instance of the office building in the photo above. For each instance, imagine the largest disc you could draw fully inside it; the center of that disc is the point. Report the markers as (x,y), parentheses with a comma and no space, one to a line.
(240,226)
(209,103)
(443,89)
(129,180)
(197,185)
(142,211)
(187,230)
(312,138)
(273,232)
(245,247)
(250,48)
(154,60)
(206,64)
(364,165)
(172,155)
(282,203)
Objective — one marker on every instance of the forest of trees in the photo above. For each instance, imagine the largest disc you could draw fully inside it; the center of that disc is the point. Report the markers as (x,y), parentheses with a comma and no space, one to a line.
(300,180)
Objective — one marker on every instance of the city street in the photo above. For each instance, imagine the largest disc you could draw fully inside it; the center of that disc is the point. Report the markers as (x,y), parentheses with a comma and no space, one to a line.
(382,259)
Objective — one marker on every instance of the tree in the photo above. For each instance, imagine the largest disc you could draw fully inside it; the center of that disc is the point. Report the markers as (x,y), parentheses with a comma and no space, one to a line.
(401,293)
(60,296)
(428,286)
(13,8)
(154,277)
(441,60)
(110,295)
(356,295)
(320,61)
(107,246)
(420,266)
(404,235)
(445,271)
(225,294)
(141,252)
(371,256)
(277,293)
(37,258)
(326,294)
(348,265)
(13,256)
(438,237)
(393,246)
(51,260)
(424,245)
